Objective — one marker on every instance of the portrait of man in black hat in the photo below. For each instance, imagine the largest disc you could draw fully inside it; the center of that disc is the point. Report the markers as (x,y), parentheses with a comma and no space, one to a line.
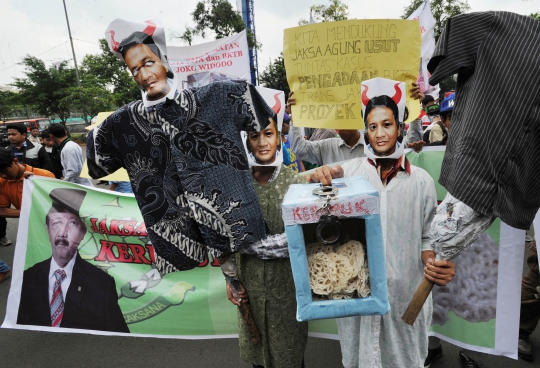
(65,290)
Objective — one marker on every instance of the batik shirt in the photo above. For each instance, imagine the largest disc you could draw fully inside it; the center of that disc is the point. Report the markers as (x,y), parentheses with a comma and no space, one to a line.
(188,169)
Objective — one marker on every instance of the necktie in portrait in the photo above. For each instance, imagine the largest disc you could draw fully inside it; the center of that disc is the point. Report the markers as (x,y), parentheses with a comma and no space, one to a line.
(57,300)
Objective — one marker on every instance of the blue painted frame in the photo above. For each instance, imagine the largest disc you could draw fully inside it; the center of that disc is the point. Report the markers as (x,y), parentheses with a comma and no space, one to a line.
(375,304)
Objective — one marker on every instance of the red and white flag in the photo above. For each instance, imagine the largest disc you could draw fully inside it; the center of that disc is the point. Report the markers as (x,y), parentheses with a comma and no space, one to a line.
(427,29)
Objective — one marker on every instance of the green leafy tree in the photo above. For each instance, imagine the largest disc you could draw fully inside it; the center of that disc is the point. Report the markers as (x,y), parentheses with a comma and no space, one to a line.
(441,9)
(90,99)
(219,17)
(105,70)
(274,76)
(188,35)
(535,16)
(337,10)
(44,88)
(11,106)
(7,103)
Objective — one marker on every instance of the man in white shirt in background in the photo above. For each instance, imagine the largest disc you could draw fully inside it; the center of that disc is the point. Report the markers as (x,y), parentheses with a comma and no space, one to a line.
(70,156)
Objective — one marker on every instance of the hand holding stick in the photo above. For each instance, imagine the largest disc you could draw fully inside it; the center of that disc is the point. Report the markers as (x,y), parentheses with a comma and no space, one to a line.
(417,302)
(454,228)
(238,293)
(236,287)
(435,272)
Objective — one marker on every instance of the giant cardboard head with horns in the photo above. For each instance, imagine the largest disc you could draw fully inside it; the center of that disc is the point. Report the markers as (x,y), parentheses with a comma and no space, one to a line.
(383,109)
(142,46)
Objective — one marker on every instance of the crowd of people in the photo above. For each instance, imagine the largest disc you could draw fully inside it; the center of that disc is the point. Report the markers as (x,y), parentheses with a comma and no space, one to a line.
(346,147)
(49,153)
(253,254)
(54,155)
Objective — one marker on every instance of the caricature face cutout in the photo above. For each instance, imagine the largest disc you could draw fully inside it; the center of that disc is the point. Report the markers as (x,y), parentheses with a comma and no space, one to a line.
(382,130)
(264,148)
(142,46)
(383,108)
(148,71)
(264,143)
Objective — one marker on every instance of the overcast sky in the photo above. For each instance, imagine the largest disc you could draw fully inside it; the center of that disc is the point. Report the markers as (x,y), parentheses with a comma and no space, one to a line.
(38,27)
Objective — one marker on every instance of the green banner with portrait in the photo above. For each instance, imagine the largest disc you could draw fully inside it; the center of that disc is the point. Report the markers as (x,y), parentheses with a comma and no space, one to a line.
(190,304)
(107,235)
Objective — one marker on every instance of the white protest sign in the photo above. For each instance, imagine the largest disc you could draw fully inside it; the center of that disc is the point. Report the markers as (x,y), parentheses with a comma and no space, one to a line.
(222,59)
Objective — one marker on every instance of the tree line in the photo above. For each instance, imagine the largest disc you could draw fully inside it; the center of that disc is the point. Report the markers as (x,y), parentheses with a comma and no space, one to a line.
(107,85)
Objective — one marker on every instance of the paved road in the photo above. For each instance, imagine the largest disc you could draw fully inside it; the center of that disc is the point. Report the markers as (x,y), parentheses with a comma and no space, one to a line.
(23,349)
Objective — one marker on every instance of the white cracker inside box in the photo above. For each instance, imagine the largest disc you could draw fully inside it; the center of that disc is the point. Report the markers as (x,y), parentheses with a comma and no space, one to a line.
(331,280)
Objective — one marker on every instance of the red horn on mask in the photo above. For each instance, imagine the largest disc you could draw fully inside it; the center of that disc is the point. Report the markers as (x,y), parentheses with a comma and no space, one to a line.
(113,42)
(397,96)
(150,29)
(365,98)
(277,106)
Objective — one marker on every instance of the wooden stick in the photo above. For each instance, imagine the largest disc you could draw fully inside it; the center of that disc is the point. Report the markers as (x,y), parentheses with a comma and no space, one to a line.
(417,301)
(230,271)
(245,312)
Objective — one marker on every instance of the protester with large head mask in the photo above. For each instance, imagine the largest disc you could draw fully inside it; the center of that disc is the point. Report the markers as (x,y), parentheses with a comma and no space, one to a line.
(406,192)
(265,268)
(183,153)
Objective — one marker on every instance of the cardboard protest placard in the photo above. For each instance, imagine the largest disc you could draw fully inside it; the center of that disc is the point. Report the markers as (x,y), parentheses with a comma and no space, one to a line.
(223,59)
(327,62)
(264,148)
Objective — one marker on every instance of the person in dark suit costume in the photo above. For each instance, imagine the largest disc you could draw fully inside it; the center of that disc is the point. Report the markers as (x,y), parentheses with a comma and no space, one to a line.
(89,298)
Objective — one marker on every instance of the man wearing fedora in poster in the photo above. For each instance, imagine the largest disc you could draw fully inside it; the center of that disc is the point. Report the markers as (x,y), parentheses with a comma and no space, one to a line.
(65,290)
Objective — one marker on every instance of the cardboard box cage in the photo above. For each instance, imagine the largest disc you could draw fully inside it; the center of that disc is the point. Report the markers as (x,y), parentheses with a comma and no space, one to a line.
(357,207)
